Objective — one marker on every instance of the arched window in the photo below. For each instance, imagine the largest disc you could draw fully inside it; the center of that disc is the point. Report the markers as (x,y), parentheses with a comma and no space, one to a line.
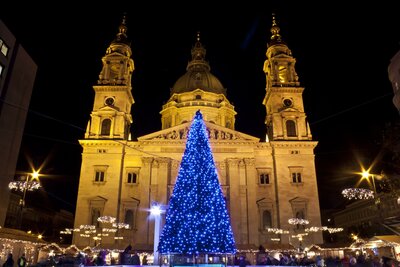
(106,127)
(129,218)
(267,221)
(291,128)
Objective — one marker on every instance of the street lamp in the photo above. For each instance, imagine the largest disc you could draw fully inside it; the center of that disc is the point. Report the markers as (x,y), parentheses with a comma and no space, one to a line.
(363,193)
(156,211)
(23,186)
(366,175)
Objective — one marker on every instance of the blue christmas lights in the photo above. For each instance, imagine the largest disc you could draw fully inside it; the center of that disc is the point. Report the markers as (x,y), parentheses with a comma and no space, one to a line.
(197,219)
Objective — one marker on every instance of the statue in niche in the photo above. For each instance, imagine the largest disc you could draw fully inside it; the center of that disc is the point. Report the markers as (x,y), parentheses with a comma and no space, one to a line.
(172,135)
(213,134)
(185,133)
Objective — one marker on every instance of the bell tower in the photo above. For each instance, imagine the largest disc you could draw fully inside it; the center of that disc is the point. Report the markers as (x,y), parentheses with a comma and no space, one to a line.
(285,119)
(111,115)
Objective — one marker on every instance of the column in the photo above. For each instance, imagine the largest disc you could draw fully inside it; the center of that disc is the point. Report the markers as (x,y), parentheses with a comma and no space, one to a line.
(252,216)
(143,225)
(232,178)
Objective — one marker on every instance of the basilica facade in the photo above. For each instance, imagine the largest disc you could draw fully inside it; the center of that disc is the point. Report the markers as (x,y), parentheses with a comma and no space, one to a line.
(265,183)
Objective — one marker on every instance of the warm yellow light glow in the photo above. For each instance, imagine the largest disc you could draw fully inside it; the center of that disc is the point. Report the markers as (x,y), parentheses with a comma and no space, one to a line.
(365,174)
(39,236)
(282,73)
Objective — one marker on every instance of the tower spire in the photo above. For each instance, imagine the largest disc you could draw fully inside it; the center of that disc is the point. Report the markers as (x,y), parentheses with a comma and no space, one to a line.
(122,37)
(198,56)
(275,31)
(113,91)
(286,119)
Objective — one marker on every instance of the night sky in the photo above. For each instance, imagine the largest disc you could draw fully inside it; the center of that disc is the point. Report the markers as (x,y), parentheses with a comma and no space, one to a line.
(342,59)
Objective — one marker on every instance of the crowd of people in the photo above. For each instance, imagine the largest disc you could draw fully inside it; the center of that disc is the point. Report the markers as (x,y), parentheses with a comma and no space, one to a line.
(128,257)
(9,262)
(319,261)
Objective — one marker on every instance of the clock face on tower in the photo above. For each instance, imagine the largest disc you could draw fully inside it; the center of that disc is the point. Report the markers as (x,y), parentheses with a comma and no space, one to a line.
(109,101)
(287,102)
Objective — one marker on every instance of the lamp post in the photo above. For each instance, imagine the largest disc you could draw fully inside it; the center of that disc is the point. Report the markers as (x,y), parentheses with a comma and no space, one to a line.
(366,175)
(156,211)
(23,186)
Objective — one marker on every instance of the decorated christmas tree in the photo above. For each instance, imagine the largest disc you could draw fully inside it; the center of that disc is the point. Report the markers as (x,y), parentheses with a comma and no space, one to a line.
(197,220)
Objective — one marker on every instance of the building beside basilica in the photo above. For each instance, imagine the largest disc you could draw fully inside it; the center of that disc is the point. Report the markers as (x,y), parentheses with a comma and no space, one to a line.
(265,183)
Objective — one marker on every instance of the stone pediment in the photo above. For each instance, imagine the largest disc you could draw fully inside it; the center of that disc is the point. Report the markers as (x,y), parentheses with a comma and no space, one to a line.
(109,108)
(290,109)
(215,133)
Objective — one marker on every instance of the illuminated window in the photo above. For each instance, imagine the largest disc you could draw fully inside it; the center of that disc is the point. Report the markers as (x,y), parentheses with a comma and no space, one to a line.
(295,173)
(267,221)
(106,127)
(132,178)
(264,178)
(99,176)
(291,128)
(296,177)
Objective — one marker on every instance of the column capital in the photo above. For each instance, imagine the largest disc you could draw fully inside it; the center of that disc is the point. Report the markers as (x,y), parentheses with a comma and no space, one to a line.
(147,160)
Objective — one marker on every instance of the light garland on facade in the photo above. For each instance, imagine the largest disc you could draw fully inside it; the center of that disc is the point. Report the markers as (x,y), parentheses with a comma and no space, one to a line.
(24,185)
(106,219)
(109,230)
(334,230)
(277,231)
(68,231)
(87,227)
(296,221)
(358,193)
(103,234)
(121,225)
(316,229)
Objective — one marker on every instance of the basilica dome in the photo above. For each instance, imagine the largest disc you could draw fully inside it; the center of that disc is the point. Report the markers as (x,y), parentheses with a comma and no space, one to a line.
(198,75)
(198,79)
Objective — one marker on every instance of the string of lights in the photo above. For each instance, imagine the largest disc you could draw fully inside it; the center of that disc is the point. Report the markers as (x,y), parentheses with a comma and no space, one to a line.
(335,230)
(277,231)
(121,225)
(24,185)
(358,193)
(298,221)
(316,229)
(106,219)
